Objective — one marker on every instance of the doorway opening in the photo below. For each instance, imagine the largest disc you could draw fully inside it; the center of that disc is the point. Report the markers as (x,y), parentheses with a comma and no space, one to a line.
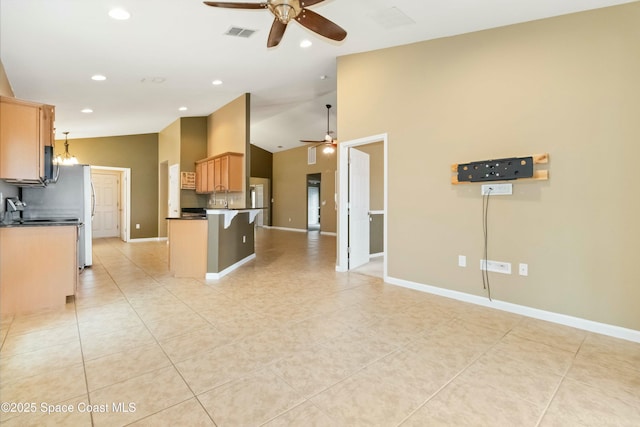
(313,201)
(111,202)
(362,235)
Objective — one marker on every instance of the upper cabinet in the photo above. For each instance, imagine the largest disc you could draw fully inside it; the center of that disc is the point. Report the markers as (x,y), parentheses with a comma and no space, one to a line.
(220,173)
(25,129)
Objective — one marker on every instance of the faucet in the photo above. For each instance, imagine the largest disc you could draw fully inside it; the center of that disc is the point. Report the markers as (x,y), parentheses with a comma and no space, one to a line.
(14,208)
(226,195)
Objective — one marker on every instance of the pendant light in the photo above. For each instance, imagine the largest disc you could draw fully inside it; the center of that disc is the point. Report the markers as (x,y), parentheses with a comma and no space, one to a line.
(66,158)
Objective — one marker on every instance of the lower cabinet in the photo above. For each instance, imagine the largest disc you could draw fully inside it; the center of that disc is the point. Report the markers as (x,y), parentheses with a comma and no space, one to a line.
(38,267)
(188,247)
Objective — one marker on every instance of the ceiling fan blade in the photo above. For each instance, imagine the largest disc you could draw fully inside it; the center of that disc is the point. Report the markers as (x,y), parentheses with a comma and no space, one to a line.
(234,5)
(307,141)
(305,3)
(321,25)
(276,33)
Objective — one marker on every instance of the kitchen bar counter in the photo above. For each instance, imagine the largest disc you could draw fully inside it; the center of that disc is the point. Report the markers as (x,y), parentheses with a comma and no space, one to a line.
(213,246)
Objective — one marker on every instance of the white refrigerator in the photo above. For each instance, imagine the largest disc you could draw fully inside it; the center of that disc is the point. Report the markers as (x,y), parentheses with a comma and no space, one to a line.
(71,196)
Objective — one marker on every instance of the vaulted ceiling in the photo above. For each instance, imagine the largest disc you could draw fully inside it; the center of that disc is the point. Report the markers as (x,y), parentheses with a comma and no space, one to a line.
(168,53)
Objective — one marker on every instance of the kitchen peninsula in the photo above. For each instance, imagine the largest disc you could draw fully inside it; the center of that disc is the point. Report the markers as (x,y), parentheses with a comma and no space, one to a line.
(211,245)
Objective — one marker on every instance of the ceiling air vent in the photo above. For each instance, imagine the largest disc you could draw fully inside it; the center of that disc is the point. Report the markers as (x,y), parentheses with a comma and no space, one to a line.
(240,32)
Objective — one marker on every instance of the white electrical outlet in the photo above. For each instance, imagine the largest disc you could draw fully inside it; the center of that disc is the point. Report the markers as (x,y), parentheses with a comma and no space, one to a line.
(137,226)
(523,269)
(496,266)
(497,189)
(462,261)
(244,239)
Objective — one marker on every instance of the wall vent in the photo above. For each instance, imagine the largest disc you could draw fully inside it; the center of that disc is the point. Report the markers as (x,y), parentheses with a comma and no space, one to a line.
(240,32)
(311,156)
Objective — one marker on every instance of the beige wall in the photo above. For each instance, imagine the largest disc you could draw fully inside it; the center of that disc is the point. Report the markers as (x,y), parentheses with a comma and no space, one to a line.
(228,131)
(140,154)
(193,147)
(5,86)
(183,142)
(567,86)
(290,171)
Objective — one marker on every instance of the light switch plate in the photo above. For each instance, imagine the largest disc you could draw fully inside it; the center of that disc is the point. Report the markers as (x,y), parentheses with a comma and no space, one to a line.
(462,261)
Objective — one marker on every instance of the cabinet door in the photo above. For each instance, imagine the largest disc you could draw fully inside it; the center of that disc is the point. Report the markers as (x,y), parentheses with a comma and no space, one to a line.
(235,172)
(224,172)
(20,152)
(217,171)
(199,177)
(210,176)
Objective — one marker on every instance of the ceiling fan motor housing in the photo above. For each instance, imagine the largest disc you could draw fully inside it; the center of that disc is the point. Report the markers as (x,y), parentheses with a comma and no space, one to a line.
(285,10)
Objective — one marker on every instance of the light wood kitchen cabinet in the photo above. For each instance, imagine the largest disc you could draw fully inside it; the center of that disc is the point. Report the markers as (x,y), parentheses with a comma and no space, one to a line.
(211,172)
(220,173)
(231,169)
(201,176)
(38,267)
(25,129)
(188,247)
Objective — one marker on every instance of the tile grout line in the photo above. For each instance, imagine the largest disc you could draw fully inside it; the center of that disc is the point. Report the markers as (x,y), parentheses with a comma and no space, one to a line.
(562,379)
(157,343)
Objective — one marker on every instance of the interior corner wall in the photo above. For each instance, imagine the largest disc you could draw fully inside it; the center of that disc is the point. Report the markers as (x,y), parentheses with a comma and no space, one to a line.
(138,153)
(193,147)
(567,86)
(228,131)
(5,86)
(290,170)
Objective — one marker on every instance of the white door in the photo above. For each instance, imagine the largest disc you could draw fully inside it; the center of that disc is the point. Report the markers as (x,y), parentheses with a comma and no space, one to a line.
(358,208)
(106,220)
(174,191)
(313,206)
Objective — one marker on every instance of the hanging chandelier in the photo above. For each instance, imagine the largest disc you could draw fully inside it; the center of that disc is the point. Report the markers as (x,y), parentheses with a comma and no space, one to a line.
(66,158)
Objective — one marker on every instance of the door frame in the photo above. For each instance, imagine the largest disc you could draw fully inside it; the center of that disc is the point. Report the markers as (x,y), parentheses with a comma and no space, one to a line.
(125,195)
(308,178)
(342,264)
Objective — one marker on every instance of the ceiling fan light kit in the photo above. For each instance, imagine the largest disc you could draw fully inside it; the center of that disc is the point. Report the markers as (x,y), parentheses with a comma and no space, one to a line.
(329,143)
(285,11)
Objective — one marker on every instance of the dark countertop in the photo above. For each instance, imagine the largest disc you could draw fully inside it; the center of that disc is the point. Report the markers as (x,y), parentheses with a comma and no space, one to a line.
(43,222)
(189,218)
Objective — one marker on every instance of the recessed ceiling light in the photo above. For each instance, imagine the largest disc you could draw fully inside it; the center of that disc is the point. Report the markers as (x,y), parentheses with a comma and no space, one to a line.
(98,78)
(217,82)
(182,109)
(305,43)
(280,146)
(87,110)
(119,14)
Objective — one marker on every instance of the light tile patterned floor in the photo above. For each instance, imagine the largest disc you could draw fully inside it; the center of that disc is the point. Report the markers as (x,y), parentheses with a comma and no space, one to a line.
(287,341)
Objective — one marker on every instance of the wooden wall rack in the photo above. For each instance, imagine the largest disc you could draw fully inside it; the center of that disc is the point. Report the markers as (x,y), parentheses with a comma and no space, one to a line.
(537,174)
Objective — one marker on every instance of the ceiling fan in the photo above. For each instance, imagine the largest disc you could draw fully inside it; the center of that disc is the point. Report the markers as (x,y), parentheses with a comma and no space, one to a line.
(286,11)
(328,140)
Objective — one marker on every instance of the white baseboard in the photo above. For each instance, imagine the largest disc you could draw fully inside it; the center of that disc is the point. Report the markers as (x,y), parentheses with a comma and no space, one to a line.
(298,230)
(563,319)
(379,254)
(328,233)
(149,239)
(221,274)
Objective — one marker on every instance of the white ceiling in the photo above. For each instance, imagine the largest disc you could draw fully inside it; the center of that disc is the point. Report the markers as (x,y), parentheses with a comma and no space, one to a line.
(51,48)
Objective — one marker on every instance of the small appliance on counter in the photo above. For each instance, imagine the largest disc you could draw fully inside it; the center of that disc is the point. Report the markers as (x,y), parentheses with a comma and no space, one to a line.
(71,196)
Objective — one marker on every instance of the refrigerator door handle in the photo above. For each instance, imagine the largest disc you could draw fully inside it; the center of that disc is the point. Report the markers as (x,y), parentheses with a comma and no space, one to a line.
(93,201)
